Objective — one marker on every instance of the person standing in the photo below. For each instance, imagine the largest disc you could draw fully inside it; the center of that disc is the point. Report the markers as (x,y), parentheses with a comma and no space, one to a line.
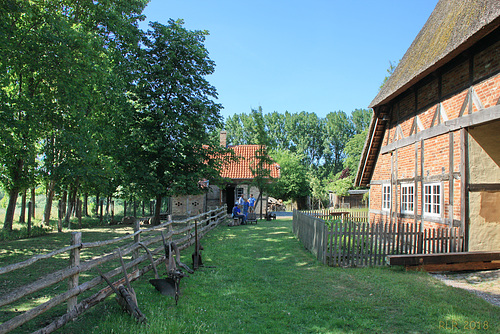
(240,201)
(245,207)
(251,203)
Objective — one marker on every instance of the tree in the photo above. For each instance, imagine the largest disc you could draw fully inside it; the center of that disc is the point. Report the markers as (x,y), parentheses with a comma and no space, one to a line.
(174,114)
(88,80)
(361,119)
(306,136)
(261,164)
(293,182)
(338,132)
(390,70)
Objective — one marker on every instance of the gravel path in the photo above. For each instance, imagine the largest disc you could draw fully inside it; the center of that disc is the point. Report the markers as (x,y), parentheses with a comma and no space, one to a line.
(485,284)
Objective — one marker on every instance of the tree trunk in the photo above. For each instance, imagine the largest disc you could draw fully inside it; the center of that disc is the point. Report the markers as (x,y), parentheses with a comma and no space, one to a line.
(30,208)
(260,195)
(59,216)
(71,206)
(108,200)
(124,208)
(48,202)
(156,218)
(97,202)
(33,202)
(64,201)
(86,204)
(79,212)
(101,205)
(22,214)
(11,208)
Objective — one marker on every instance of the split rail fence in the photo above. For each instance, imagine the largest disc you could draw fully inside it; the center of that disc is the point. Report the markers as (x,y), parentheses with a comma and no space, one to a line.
(181,232)
(344,240)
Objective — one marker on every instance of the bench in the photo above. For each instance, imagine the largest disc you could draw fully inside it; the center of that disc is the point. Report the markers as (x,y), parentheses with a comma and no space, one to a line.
(252,218)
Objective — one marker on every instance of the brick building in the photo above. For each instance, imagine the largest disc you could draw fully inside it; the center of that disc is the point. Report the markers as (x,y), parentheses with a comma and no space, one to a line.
(432,155)
(239,177)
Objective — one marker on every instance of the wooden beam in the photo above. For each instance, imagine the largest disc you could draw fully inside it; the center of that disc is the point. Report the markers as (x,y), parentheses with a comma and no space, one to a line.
(457,266)
(484,187)
(444,258)
(477,118)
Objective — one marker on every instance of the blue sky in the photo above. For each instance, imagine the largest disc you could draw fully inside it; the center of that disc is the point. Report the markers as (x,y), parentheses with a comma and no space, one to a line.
(287,55)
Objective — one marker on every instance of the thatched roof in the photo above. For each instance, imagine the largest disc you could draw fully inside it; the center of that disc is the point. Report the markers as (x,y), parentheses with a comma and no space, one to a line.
(452,27)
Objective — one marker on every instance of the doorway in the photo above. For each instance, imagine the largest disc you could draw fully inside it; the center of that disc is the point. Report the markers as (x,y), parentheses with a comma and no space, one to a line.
(230,198)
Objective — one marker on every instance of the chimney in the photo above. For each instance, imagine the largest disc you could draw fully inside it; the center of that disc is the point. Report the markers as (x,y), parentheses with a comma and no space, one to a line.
(223,138)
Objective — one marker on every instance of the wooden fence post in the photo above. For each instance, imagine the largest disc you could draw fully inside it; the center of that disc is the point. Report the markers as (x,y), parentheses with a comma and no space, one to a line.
(74,258)
(137,238)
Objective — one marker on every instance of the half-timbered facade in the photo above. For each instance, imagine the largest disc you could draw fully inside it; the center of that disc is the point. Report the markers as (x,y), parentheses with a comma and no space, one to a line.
(432,156)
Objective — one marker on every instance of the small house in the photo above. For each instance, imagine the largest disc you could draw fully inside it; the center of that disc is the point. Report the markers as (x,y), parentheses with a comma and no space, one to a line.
(239,175)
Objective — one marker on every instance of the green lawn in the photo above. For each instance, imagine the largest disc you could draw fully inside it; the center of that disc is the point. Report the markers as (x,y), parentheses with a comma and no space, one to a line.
(264,281)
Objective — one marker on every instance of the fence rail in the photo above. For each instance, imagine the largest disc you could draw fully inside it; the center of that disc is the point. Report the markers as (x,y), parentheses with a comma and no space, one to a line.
(349,241)
(354,216)
(184,237)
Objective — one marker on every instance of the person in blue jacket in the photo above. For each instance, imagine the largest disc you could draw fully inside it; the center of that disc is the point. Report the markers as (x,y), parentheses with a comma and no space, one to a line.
(245,207)
(237,214)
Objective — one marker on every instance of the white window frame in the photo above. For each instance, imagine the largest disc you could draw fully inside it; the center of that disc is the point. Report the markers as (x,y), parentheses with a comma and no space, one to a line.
(433,199)
(408,198)
(386,197)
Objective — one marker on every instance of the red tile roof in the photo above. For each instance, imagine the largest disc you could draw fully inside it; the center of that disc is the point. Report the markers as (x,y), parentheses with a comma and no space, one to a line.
(241,169)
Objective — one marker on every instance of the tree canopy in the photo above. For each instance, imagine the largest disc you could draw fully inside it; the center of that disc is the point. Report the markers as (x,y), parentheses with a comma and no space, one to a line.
(322,146)
(92,104)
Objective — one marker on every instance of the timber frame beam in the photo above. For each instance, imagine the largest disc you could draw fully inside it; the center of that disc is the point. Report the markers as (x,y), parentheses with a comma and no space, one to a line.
(477,118)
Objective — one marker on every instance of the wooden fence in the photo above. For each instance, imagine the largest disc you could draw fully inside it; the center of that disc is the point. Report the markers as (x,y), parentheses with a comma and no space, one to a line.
(354,216)
(352,244)
(349,243)
(183,237)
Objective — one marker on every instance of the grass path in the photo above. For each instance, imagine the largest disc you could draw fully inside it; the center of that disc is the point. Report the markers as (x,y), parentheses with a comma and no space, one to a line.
(263,281)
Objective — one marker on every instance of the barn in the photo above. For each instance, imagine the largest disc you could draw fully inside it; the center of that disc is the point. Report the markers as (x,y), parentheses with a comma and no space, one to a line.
(432,154)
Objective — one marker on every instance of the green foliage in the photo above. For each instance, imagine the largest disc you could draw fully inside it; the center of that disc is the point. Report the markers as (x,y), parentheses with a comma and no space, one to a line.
(61,80)
(36,231)
(341,186)
(4,201)
(353,150)
(293,182)
(390,70)
(325,146)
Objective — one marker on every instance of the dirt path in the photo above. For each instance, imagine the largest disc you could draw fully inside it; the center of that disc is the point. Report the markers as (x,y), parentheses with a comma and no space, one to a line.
(485,284)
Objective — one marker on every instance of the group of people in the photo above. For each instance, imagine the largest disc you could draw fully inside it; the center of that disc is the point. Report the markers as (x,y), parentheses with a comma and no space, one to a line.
(248,205)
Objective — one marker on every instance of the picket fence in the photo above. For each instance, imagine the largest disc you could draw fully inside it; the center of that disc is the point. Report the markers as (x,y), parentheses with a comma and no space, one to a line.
(77,271)
(342,240)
